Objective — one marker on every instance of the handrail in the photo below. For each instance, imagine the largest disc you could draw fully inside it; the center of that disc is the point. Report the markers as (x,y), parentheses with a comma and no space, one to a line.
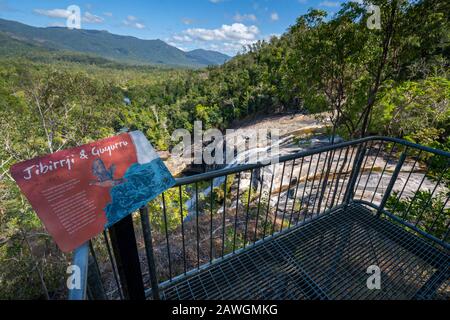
(238,168)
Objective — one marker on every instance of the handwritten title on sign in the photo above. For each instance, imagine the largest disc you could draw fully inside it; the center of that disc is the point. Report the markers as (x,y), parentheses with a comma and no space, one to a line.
(69,161)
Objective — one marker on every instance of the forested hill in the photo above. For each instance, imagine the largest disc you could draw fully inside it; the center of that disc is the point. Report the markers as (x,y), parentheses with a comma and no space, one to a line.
(393,80)
(110,46)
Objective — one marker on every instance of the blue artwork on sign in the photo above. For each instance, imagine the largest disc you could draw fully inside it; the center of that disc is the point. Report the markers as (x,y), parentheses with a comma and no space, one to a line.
(105,177)
(142,182)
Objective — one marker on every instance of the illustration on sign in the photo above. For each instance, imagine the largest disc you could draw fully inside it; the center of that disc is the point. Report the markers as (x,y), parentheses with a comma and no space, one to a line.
(79,192)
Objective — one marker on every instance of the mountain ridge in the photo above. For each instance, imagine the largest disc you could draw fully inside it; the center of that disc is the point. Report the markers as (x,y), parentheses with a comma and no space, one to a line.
(102,43)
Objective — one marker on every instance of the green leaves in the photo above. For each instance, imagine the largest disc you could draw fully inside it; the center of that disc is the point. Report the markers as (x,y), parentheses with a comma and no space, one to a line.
(416,110)
(423,208)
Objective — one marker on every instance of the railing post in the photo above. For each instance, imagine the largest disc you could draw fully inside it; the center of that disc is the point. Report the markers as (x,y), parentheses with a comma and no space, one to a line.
(147,231)
(348,196)
(124,245)
(391,184)
(80,260)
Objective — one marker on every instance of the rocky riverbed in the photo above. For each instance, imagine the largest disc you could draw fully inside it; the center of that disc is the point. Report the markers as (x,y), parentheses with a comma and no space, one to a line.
(287,125)
(313,180)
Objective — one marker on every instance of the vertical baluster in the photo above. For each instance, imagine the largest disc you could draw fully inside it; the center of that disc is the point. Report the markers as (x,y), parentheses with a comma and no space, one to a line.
(394,207)
(113,265)
(363,165)
(268,202)
(95,282)
(196,223)
(248,207)
(287,195)
(428,203)
(259,204)
(370,172)
(350,190)
(224,214)
(382,172)
(415,195)
(211,221)
(392,181)
(237,210)
(278,201)
(182,229)
(325,180)
(296,191)
(312,186)
(167,235)
(349,162)
(320,185)
(334,181)
(304,190)
(338,178)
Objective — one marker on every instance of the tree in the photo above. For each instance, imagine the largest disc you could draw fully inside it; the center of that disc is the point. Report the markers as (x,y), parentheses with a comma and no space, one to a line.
(416,110)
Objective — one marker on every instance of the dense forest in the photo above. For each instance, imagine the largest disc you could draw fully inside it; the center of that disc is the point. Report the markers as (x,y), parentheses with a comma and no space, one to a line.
(392,81)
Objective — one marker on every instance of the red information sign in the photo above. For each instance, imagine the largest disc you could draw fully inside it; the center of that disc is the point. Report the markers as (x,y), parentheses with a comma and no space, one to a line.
(80,191)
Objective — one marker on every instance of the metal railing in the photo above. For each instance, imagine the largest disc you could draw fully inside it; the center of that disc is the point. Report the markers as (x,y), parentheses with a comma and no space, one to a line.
(209,217)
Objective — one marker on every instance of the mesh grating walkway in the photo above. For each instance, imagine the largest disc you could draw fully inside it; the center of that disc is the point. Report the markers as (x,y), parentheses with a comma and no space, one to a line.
(326,259)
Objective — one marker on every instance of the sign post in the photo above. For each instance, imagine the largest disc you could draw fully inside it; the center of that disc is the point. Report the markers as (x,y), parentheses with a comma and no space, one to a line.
(125,251)
(77,291)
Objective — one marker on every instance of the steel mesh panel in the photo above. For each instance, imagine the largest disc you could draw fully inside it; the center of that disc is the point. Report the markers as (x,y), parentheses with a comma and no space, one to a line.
(326,259)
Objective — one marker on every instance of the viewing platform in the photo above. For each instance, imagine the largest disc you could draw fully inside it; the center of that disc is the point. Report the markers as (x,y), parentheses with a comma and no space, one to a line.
(364,219)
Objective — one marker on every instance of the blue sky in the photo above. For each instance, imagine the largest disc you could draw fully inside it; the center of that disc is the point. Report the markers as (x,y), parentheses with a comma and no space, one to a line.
(222,25)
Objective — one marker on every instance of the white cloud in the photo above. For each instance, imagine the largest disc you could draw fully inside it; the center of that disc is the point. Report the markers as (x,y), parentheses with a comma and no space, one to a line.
(274,16)
(108,14)
(244,17)
(53,13)
(64,14)
(236,31)
(133,22)
(329,4)
(91,18)
(139,25)
(182,38)
(176,45)
(136,25)
(228,38)
(215,1)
